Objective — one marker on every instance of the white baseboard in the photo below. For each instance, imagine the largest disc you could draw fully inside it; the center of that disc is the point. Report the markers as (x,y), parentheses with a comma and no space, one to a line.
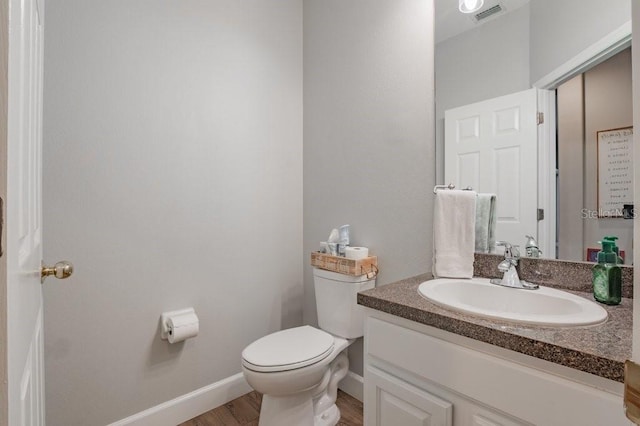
(353,384)
(201,400)
(190,405)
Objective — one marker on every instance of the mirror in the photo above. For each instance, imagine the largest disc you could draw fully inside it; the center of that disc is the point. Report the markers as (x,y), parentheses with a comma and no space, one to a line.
(519,44)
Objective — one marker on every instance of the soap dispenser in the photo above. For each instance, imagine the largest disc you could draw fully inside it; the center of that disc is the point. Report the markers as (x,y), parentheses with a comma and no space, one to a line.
(531,248)
(615,248)
(607,276)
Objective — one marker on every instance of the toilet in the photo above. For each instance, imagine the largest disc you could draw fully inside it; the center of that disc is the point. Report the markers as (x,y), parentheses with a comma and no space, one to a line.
(298,370)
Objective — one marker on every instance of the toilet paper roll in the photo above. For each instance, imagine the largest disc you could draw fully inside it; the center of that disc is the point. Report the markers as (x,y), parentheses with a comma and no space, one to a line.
(182,327)
(356,252)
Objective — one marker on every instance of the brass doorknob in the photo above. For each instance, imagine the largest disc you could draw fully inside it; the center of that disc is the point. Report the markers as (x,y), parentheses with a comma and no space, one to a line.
(60,270)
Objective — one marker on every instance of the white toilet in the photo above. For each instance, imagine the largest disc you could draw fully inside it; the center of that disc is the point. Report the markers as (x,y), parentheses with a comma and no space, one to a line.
(298,370)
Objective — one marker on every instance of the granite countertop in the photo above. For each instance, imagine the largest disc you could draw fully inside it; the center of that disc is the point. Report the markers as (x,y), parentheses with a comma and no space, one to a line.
(598,349)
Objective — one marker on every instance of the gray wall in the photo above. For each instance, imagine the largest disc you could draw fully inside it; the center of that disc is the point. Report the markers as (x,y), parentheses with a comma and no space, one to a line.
(4,88)
(489,61)
(562,29)
(570,127)
(173,163)
(368,132)
(173,178)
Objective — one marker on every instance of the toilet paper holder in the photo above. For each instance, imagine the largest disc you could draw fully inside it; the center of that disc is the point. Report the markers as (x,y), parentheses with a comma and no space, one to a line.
(164,323)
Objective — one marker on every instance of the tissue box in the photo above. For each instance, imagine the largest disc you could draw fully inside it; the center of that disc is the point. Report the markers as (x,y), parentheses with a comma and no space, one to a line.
(342,265)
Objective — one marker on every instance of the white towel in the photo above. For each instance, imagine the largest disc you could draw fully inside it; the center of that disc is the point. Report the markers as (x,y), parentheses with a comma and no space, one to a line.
(454,217)
(485,223)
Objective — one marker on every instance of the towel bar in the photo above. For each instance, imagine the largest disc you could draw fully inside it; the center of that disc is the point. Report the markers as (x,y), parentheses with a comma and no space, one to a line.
(450,186)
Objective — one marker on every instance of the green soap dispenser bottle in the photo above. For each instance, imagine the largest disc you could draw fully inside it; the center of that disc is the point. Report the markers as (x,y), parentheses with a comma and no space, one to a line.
(607,276)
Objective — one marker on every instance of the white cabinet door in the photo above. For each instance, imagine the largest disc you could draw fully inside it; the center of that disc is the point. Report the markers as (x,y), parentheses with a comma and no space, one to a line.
(492,146)
(390,401)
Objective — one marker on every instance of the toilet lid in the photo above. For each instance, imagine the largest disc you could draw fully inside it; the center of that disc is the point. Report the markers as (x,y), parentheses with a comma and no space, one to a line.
(288,349)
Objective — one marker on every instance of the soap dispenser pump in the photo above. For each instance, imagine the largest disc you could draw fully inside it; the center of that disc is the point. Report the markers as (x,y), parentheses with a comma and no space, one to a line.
(615,248)
(607,275)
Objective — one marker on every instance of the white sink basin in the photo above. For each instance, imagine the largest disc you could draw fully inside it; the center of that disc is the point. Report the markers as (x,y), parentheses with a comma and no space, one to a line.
(544,306)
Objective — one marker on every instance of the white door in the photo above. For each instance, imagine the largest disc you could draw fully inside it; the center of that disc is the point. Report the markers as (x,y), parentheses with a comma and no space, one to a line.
(24,214)
(492,147)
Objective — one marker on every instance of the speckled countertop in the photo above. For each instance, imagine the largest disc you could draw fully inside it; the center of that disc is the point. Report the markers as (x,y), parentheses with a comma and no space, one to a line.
(600,349)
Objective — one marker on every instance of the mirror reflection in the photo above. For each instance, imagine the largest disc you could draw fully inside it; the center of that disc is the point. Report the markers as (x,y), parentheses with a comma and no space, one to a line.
(564,181)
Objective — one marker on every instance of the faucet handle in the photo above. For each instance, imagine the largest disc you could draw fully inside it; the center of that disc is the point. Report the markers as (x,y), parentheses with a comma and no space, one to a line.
(510,251)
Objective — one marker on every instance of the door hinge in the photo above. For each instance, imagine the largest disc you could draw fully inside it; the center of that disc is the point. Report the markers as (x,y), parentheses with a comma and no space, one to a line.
(540,214)
(540,118)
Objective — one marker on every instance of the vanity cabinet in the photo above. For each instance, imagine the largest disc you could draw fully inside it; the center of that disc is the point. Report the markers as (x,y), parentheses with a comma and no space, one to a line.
(418,375)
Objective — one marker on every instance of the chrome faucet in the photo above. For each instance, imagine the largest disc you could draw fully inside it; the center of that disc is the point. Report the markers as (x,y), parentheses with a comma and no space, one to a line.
(509,267)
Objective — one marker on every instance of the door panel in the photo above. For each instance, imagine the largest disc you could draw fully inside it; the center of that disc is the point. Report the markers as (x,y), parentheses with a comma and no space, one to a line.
(492,146)
(399,403)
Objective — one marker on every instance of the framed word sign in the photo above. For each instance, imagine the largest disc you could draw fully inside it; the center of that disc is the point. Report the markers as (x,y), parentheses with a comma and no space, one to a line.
(615,171)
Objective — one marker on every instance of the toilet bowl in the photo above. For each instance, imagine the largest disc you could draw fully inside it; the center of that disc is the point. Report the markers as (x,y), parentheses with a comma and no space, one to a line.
(298,370)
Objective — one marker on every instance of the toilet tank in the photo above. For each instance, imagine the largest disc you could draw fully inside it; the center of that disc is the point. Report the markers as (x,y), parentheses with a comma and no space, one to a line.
(336,302)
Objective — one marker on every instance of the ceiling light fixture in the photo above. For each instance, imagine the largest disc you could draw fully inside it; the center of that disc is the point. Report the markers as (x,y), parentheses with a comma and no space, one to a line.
(470,6)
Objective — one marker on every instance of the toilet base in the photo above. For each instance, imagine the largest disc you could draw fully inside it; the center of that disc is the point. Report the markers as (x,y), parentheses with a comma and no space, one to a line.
(313,407)
(330,417)
(281,410)
(295,410)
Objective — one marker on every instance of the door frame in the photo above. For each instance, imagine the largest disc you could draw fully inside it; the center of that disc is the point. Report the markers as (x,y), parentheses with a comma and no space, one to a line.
(547,227)
(10,34)
(4,87)
(603,49)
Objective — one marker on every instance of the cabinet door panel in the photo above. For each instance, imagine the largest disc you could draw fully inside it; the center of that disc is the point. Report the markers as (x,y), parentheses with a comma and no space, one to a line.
(479,420)
(483,416)
(396,402)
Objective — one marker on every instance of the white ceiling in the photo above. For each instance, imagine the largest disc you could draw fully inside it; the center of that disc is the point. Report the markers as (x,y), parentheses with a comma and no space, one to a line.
(451,22)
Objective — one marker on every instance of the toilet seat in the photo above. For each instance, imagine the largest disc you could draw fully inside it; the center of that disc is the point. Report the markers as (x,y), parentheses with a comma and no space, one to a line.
(288,350)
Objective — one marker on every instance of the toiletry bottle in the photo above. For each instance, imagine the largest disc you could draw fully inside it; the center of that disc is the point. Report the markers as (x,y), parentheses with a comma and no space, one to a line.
(615,248)
(344,239)
(607,276)
(531,248)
